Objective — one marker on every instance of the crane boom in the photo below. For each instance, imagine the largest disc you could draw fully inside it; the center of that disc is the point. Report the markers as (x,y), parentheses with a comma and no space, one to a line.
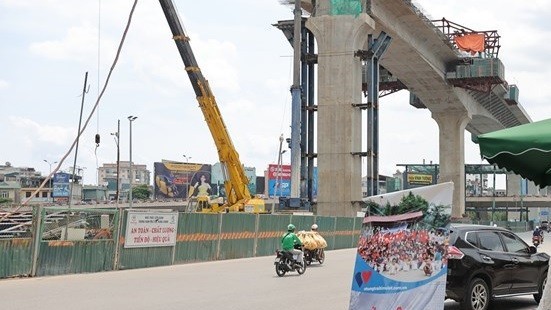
(236,182)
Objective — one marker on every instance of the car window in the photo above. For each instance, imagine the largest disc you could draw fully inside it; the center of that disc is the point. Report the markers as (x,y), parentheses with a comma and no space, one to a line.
(489,240)
(513,243)
(471,238)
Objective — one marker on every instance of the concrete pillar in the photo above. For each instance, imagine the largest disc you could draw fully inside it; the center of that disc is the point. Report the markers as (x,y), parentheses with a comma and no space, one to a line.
(339,124)
(452,155)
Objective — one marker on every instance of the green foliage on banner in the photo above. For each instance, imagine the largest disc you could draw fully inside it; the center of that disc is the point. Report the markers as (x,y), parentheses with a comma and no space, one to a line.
(346,7)
(434,215)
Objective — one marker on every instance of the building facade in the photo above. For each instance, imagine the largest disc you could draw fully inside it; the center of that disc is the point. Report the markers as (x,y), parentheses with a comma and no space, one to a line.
(107,176)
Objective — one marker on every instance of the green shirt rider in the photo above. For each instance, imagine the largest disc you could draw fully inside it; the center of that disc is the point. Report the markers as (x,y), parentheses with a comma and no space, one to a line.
(288,242)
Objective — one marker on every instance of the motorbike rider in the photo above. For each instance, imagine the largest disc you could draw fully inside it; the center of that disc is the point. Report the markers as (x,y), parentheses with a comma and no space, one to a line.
(288,242)
(538,233)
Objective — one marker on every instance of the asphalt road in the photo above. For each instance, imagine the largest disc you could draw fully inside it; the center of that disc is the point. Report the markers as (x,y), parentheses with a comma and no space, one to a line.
(233,284)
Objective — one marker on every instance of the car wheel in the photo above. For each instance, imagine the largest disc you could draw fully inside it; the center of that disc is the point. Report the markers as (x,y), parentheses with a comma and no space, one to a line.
(477,297)
(541,287)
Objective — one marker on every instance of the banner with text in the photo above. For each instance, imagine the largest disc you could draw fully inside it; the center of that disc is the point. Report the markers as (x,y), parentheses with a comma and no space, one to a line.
(279,180)
(151,229)
(401,259)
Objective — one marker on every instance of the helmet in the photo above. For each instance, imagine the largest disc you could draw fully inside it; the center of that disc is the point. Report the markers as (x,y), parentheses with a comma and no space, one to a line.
(290,227)
(315,227)
(537,227)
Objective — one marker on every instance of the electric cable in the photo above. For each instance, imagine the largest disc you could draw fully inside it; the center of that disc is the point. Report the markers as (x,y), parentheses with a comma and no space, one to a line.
(115,61)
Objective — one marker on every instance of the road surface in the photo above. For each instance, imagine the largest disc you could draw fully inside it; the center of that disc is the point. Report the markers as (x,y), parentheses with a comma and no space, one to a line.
(249,283)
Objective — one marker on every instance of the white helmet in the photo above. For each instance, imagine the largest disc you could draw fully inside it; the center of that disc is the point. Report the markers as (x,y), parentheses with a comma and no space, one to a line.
(315,227)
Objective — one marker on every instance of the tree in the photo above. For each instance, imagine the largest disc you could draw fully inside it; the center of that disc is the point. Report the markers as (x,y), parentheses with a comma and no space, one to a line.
(141,192)
(5,200)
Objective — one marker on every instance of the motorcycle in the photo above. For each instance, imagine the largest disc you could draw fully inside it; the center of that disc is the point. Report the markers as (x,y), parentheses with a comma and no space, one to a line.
(286,262)
(537,240)
(314,255)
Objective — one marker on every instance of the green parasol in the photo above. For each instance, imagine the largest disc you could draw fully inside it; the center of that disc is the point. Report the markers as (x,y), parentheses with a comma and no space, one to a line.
(523,149)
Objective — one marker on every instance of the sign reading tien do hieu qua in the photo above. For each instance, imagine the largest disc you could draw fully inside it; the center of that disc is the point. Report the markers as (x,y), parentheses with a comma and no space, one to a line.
(419,179)
(150,229)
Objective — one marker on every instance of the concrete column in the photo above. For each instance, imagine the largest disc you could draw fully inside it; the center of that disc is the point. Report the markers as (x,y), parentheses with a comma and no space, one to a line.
(339,124)
(452,154)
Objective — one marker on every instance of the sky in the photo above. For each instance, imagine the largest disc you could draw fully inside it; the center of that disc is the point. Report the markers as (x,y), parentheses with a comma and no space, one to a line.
(48,46)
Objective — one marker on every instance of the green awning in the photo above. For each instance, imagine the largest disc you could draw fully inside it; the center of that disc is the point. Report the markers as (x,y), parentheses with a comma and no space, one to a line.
(524,150)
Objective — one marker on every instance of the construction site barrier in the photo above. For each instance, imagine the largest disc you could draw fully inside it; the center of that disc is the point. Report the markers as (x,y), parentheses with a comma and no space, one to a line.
(69,241)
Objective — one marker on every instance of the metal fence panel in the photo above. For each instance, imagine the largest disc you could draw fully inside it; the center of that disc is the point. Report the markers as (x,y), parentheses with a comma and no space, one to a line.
(197,237)
(326,228)
(357,230)
(302,222)
(15,257)
(237,236)
(75,241)
(344,233)
(59,257)
(270,230)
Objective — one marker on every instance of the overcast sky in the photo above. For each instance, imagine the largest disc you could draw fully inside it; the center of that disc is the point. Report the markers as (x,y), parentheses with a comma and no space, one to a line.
(47,46)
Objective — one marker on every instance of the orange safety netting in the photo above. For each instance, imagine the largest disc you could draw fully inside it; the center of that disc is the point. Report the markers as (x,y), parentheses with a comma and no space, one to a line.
(471,43)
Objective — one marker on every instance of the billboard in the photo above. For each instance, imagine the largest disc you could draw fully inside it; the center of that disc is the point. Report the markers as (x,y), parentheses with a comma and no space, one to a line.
(401,260)
(181,180)
(250,172)
(61,185)
(218,180)
(279,180)
(413,180)
(283,176)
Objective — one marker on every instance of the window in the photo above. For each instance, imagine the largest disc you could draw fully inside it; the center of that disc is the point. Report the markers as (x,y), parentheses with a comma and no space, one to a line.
(28,194)
(471,238)
(513,243)
(44,194)
(4,194)
(489,240)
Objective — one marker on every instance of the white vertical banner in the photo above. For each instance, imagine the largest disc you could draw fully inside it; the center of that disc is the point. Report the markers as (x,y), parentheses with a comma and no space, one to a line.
(150,229)
(401,260)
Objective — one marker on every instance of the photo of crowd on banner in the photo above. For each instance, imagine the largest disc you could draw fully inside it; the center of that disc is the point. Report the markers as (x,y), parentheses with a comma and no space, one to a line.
(408,241)
(404,253)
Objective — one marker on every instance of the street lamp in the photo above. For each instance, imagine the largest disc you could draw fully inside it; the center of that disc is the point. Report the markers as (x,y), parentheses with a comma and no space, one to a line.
(187,158)
(131,119)
(50,177)
(116,137)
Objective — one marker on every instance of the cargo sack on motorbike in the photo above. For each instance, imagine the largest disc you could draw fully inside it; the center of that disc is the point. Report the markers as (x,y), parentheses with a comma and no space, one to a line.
(311,240)
(322,244)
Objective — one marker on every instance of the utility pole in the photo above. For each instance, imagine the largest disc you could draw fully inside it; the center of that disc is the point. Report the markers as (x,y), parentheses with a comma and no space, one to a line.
(117,135)
(131,175)
(50,177)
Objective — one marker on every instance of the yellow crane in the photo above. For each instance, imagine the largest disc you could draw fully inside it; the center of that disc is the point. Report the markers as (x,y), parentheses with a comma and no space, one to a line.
(238,197)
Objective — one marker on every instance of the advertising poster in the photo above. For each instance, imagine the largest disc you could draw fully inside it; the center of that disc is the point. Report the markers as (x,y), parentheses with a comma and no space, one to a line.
(61,185)
(279,180)
(181,180)
(217,180)
(151,229)
(401,256)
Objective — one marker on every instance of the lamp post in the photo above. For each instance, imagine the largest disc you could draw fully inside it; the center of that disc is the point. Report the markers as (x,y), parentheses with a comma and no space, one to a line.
(50,177)
(187,158)
(116,137)
(131,175)
(279,152)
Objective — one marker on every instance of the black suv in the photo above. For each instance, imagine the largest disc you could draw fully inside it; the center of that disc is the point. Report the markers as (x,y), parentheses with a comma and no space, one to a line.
(486,262)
